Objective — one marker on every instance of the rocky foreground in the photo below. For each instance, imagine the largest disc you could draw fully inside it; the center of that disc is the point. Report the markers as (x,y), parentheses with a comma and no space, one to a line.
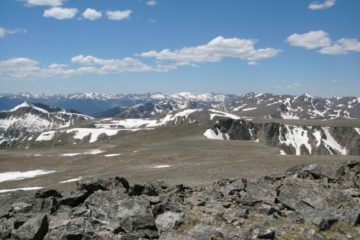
(306,202)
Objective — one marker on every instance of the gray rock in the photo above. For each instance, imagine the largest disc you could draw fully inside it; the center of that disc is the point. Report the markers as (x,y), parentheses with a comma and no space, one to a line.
(33,229)
(205,232)
(169,221)
(48,193)
(259,191)
(75,198)
(92,185)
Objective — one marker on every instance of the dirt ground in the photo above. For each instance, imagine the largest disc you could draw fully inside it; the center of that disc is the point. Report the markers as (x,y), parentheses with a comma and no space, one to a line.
(192,159)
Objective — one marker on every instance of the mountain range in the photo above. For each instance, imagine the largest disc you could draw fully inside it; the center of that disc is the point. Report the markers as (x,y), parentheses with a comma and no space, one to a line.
(296,124)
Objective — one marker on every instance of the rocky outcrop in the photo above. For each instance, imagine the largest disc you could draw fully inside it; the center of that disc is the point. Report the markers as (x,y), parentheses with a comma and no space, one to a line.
(292,139)
(306,202)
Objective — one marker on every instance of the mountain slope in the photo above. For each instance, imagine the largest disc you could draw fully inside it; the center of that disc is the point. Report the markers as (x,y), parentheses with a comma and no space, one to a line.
(290,138)
(30,118)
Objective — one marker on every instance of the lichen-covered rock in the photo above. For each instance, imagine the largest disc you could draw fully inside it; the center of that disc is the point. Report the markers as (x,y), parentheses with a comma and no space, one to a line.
(306,202)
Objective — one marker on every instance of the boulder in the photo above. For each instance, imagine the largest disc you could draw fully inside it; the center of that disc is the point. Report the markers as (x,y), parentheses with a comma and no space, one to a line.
(33,229)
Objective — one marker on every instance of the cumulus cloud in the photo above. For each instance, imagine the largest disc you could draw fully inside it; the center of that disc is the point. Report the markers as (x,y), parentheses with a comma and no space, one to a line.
(151,2)
(322,5)
(52,3)
(23,68)
(4,32)
(320,40)
(91,14)
(163,61)
(310,40)
(215,51)
(118,15)
(18,67)
(60,13)
(288,86)
(127,64)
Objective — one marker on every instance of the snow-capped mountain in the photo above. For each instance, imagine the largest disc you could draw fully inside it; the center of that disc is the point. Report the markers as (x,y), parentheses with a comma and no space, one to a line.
(28,118)
(306,106)
(254,105)
(102,104)
(291,139)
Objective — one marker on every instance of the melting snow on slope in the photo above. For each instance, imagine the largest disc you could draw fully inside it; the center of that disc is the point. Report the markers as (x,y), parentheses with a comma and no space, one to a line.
(81,133)
(46,136)
(288,115)
(12,176)
(72,180)
(161,166)
(282,152)
(211,134)
(357,130)
(112,155)
(296,137)
(249,109)
(330,142)
(138,124)
(22,189)
(70,154)
(317,135)
(217,113)
(93,152)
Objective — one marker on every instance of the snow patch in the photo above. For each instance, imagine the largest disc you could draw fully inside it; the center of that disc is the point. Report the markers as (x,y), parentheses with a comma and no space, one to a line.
(70,154)
(296,137)
(357,130)
(13,176)
(216,113)
(72,180)
(249,109)
(20,189)
(46,136)
(93,152)
(211,134)
(81,133)
(288,115)
(112,155)
(331,143)
(161,166)
(282,152)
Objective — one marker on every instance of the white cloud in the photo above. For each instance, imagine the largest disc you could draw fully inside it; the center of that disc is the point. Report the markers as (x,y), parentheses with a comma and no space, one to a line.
(343,46)
(23,68)
(165,60)
(310,40)
(151,2)
(91,14)
(288,86)
(319,6)
(215,51)
(52,3)
(321,40)
(4,32)
(18,67)
(118,15)
(60,13)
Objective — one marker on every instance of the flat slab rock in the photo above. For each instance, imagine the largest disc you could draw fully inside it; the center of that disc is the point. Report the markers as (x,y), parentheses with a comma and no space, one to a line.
(306,202)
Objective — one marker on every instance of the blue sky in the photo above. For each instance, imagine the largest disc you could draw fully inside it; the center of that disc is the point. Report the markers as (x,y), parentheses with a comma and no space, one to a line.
(137,46)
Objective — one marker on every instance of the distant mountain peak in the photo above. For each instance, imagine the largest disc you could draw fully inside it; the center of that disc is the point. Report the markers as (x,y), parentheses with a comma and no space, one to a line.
(26,104)
(308,95)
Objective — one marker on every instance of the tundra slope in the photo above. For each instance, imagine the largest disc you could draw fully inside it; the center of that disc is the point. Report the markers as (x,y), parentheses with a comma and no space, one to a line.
(302,203)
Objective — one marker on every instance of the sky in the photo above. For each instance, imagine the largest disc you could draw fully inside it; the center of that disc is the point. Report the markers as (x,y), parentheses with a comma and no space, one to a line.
(199,46)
